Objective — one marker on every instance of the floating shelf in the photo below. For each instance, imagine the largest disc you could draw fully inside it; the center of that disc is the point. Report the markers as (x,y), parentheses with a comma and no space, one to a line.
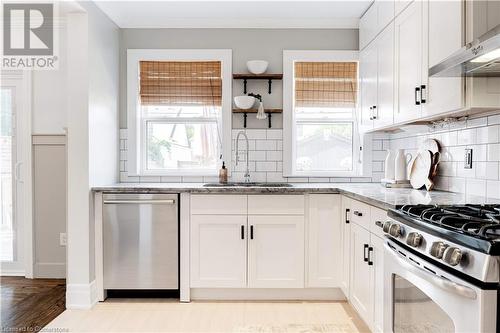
(268,77)
(269,113)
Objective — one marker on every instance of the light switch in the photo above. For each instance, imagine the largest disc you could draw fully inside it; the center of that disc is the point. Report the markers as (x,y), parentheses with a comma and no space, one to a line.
(468,159)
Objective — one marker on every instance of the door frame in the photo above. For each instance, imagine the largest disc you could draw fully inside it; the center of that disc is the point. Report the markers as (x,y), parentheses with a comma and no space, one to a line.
(24,185)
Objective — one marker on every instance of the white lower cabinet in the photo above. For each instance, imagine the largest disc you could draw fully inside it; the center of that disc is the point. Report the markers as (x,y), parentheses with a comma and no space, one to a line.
(276,251)
(218,251)
(366,288)
(361,293)
(345,246)
(324,241)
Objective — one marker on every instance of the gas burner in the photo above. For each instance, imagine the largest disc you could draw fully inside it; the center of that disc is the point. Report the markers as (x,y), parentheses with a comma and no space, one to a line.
(481,221)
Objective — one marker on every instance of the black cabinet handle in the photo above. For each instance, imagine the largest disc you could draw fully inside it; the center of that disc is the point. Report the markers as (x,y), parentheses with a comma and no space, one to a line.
(422,97)
(374,110)
(251,232)
(379,224)
(365,255)
(371,113)
(242,232)
(417,93)
(370,250)
(347,210)
(357,213)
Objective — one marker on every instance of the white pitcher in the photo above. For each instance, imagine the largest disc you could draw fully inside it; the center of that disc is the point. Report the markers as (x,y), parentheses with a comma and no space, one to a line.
(389,164)
(401,165)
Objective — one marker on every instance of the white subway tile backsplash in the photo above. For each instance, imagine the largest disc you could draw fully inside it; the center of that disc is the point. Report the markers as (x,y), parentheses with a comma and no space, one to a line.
(487,134)
(265,166)
(265,144)
(476,187)
(493,152)
(274,155)
(274,134)
(477,122)
(467,136)
(493,189)
(256,134)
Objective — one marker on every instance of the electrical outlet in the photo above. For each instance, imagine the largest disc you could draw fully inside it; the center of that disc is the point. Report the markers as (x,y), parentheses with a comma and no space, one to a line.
(62,239)
(468,159)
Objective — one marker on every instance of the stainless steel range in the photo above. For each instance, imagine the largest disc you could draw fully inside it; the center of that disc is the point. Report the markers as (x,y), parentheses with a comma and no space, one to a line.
(442,268)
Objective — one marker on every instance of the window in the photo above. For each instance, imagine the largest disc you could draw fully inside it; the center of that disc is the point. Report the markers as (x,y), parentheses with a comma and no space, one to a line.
(179,104)
(320,95)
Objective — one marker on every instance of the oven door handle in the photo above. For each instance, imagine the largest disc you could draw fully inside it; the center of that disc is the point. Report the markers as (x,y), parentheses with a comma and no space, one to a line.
(434,279)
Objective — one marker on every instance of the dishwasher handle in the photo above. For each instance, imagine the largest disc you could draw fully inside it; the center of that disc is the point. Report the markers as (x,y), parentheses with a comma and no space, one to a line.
(144,202)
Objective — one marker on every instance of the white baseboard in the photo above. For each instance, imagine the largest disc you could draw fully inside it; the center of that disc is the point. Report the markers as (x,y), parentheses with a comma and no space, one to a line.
(251,294)
(12,272)
(50,270)
(81,296)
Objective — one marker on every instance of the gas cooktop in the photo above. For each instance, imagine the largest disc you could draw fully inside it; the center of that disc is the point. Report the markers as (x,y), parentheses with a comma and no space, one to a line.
(475,226)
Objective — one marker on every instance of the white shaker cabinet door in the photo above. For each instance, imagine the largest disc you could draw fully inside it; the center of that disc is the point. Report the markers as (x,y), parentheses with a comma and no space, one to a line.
(444,37)
(384,112)
(218,251)
(276,251)
(368,71)
(377,259)
(324,241)
(346,246)
(361,292)
(408,39)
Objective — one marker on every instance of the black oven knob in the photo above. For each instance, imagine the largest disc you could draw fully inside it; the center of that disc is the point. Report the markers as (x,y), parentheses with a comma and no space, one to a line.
(395,230)
(437,249)
(414,239)
(386,226)
(452,256)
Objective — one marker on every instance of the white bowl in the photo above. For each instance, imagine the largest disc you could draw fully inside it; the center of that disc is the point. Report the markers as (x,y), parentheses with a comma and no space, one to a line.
(257,66)
(244,102)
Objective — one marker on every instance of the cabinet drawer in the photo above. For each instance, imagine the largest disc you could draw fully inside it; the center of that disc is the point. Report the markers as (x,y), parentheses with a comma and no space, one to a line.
(276,204)
(218,204)
(378,217)
(360,214)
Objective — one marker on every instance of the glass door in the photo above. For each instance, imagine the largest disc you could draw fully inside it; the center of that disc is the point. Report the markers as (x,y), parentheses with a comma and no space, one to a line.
(11,240)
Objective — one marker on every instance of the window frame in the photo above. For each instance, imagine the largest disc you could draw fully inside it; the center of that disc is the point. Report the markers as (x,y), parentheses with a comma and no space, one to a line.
(137,153)
(289,121)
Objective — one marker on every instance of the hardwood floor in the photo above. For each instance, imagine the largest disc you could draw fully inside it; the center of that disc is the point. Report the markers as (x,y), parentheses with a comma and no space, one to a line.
(27,305)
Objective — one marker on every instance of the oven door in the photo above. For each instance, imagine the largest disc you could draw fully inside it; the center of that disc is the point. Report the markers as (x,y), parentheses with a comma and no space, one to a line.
(420,297)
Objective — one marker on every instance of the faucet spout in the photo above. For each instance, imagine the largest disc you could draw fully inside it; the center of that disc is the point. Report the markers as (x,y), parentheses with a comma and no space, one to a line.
(247,172)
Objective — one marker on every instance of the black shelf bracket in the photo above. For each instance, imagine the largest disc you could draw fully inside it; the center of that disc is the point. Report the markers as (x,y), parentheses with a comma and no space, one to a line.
(269,119)
(270,82)
(245,86)
(245,120)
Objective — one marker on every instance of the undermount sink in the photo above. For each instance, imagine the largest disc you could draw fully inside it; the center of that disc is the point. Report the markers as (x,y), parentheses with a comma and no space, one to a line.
(250,184)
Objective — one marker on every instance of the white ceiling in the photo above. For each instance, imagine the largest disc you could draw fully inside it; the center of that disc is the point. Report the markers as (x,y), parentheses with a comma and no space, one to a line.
(235,14)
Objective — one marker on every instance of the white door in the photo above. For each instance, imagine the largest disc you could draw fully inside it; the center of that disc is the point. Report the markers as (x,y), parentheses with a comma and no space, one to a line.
(346,246)
(377,258)
(218,251)
(276,251)
(408,44)
(368,68)
(444,36)
(384,112)
(361,293)
(324,241)
(15,175)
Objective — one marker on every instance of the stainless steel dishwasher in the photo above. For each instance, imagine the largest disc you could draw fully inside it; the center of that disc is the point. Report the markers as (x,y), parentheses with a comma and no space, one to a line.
(141,241)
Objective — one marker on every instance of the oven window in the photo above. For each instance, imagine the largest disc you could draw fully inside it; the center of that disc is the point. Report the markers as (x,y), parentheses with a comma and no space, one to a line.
(414,311)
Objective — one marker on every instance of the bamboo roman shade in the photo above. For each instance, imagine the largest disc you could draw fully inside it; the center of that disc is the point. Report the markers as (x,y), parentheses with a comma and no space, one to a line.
(181,83)
(326,84)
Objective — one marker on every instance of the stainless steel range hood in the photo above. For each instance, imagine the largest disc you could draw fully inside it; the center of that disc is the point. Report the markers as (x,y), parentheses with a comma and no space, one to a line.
(479,58)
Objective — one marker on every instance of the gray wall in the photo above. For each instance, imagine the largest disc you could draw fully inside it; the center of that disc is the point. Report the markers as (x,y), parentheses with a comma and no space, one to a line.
(247,44)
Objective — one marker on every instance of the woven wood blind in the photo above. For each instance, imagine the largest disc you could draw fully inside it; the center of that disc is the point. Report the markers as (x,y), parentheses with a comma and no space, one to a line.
(326,84)
(176,83)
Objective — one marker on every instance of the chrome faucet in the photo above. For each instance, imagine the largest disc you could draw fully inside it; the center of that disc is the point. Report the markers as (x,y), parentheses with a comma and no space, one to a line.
(247,172)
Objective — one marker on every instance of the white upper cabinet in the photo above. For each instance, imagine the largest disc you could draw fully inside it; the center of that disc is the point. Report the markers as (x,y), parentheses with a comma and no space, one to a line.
(444,33)
(409,63)
(368,26)
(368,78)
(400,5)
(375,19)
(383,113)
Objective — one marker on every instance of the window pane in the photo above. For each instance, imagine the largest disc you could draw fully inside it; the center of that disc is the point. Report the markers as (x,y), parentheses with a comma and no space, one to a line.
(165,111)
(324,147)
(182,146)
